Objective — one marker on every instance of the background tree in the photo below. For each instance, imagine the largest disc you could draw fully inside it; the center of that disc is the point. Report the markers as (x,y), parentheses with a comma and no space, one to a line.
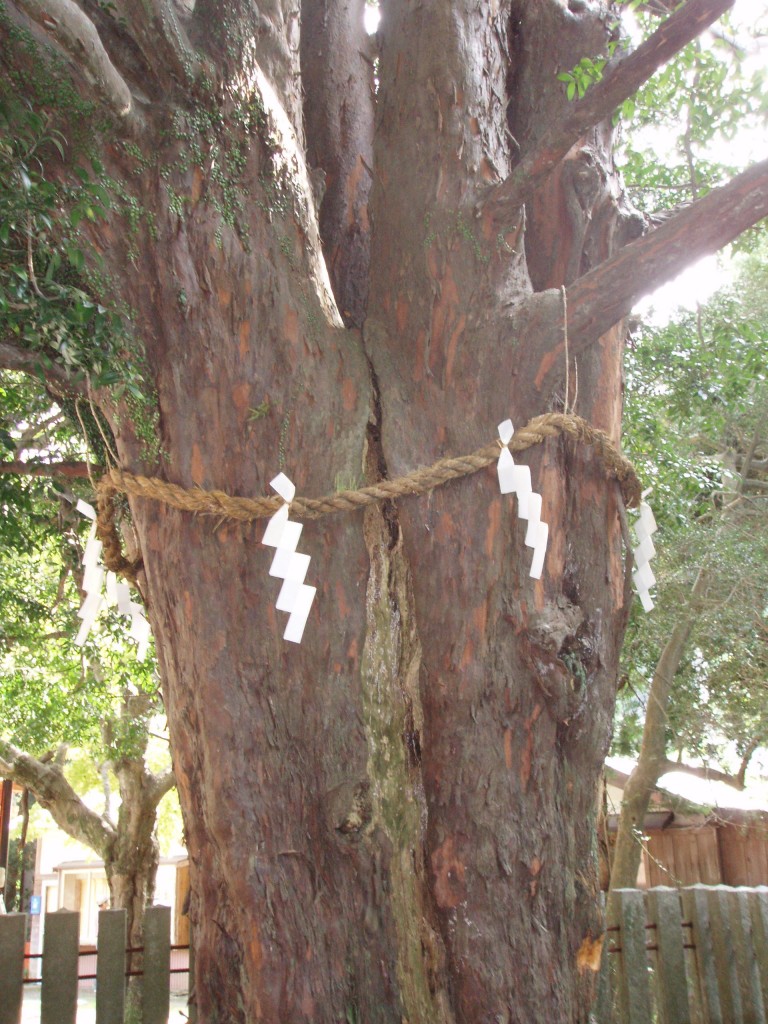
(53,696)
(698,412)
(395,819)
(696,417)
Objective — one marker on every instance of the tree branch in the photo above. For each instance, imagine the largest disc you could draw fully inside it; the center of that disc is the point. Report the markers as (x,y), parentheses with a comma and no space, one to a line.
(55,794)
(162,783)
(66,470)
(74,31)
(599,299)
(752,746)
(702,772)
(621,80)
(38,364)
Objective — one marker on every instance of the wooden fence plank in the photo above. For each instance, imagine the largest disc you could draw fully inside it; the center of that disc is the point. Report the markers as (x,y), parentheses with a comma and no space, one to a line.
(110,967)
(191,994)
(759,904)
(634,998)
(155,983)
(664,910)
(13,929)
(602,1008)
(725,964)
(742,951)
(58,998)
(696,910)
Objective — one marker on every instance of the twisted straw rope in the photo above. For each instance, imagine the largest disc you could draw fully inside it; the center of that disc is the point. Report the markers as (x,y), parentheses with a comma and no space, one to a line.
(225,506)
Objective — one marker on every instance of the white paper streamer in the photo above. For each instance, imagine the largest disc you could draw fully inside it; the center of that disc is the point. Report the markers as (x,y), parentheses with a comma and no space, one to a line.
(643,577)
(96,579)
(514,479)
(283,534)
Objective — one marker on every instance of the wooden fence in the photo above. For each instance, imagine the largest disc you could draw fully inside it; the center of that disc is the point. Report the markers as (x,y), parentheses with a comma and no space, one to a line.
(65,967)
(697,955)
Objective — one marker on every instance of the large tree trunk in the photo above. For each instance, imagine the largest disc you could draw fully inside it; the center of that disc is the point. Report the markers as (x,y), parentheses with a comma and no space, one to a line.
(395,820)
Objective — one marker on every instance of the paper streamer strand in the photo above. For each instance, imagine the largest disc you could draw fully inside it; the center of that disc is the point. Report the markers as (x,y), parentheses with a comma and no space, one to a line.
(225,506)
(289,565)
(103,589)
(516,479)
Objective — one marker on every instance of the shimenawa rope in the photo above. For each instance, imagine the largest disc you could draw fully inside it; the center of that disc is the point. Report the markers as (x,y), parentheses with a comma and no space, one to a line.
(225,506)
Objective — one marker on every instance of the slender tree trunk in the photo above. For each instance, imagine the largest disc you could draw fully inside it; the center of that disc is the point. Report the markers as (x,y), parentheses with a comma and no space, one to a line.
(652,761)
(134,854)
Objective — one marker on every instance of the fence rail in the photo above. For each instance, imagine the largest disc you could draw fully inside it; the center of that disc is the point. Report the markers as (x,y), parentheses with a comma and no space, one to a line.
(697,955)
(115,962)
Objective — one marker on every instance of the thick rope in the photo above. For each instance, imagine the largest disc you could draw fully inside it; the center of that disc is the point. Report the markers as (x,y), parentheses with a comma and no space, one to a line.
(225,506)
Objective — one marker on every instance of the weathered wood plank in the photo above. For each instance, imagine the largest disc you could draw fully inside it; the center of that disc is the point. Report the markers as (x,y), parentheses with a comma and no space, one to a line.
(759,905)
(155,983)
(12,933)
(110,967)
(58,998)
(725,964)
(743,952)
(634,996)
(696,910)
(671,983)
(711,872)
(192,998)
(602,1008)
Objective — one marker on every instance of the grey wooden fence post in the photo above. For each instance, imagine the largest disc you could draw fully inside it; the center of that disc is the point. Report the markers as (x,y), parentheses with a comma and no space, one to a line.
(696,910)
(603,1007)
(58,999)
(722,943)
(13,930)
(743,952)
(760,936)
(191,990)
(634,996)
(155,983)
(110,967)
(672,987)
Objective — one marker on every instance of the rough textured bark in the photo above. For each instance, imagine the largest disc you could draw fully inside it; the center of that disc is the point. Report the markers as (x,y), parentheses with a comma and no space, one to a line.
(394,821)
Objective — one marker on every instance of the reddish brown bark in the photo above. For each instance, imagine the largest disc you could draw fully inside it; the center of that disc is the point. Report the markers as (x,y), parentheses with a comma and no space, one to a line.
(622,78)
(394,820)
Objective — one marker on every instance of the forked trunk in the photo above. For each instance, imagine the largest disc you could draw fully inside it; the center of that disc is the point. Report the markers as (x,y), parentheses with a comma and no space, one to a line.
(394,820)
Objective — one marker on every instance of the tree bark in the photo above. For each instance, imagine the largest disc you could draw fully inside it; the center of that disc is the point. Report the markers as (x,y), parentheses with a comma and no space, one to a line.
(394,820)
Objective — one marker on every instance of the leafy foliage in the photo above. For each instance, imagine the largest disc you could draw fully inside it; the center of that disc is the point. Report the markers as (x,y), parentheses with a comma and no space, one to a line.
(697,406)
(54,296)
(698,101)
(51,692)
(45,302)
